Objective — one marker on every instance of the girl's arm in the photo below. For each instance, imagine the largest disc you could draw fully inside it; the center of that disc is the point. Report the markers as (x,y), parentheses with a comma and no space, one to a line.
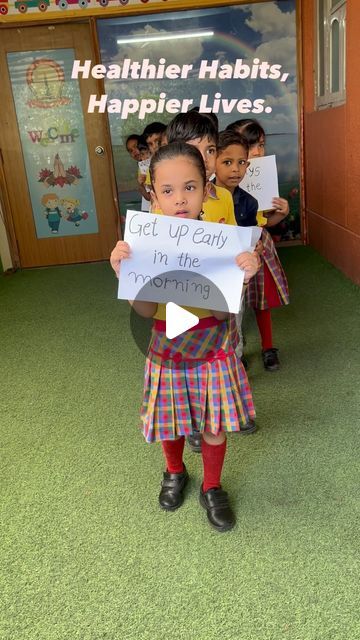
(145,194)
(144,309)
(280,211)
(141,180)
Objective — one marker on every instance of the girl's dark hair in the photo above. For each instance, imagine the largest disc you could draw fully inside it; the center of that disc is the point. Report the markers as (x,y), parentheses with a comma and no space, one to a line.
(175,150)
(213,117)
(251,129)
(190,126)
(229,137)
(132,136)
(153,127)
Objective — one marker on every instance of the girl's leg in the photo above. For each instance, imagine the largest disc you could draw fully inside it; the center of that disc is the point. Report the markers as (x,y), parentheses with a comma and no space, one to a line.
(213,454)
(269,353)
(263,319)
(175,477)
(212,496)
(173,453)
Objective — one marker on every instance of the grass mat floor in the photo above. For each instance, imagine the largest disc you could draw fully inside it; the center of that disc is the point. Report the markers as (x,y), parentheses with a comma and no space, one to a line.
(85,551)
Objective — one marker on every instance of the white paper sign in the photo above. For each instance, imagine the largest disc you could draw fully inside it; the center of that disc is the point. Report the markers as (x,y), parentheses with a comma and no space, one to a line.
(184,261)
(261,181)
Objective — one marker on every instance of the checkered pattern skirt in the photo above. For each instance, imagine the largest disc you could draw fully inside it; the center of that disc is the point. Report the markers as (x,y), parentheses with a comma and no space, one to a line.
(194,381)
(272,291)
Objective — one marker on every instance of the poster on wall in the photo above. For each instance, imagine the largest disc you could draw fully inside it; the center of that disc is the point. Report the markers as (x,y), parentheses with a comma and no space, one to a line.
(51,127)
(236,61)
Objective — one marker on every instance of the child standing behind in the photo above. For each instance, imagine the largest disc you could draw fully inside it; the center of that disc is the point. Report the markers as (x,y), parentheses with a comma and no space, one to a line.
(143,173)
(231,164)
(269,289)
(212,396)
(201,132)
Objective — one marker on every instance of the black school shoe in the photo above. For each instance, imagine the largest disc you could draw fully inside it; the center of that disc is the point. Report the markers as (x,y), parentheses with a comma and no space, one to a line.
(270,359)
(247,428)
(171,495)
(219,513)
(194,441)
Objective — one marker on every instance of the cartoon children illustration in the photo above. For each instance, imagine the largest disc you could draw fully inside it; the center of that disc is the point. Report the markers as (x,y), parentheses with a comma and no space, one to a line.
(73,214)
(52,211)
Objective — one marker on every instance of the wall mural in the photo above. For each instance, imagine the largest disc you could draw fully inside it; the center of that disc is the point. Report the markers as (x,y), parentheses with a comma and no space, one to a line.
(51,126)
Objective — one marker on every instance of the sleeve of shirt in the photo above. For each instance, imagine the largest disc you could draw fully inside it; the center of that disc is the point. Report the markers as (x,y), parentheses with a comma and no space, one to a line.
(260,219)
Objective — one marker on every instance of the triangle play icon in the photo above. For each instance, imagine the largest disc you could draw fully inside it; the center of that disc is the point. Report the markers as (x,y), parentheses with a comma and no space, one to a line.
(178,320)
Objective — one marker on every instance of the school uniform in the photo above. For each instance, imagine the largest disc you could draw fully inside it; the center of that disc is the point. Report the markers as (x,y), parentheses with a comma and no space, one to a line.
(219,206)
(269,287)
(245,208)
(194,381)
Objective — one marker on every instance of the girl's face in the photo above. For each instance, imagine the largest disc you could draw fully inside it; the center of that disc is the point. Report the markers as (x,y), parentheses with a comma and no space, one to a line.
(132,149)
(207,148)
(178,188)
(257,150)
(231,165)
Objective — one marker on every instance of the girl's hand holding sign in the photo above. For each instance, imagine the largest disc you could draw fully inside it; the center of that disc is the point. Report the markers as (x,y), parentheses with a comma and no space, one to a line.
(120,252)
(249,263)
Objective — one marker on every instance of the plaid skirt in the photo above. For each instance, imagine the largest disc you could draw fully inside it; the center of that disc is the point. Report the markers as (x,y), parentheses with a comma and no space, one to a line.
(194,381)
(271,291)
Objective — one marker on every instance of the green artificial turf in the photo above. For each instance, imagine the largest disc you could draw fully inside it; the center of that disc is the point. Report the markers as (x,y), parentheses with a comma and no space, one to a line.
(85,551)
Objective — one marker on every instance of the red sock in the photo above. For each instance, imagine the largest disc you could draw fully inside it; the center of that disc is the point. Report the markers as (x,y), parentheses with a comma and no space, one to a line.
(173,452)
(213,460)
(263,319)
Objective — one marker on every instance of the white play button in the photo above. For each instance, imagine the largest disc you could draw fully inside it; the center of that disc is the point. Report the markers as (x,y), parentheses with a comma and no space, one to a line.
(178,320)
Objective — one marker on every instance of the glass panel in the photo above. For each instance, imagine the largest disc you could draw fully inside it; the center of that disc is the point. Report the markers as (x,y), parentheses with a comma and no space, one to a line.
(335,57)
(51,127)
(226,39)
(321,48)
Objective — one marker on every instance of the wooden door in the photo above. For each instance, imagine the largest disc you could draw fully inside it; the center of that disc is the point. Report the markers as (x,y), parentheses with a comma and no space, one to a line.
(56,156)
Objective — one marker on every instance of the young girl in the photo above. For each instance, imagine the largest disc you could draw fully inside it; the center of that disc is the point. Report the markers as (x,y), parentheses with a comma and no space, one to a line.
(270,288)
(212,396)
